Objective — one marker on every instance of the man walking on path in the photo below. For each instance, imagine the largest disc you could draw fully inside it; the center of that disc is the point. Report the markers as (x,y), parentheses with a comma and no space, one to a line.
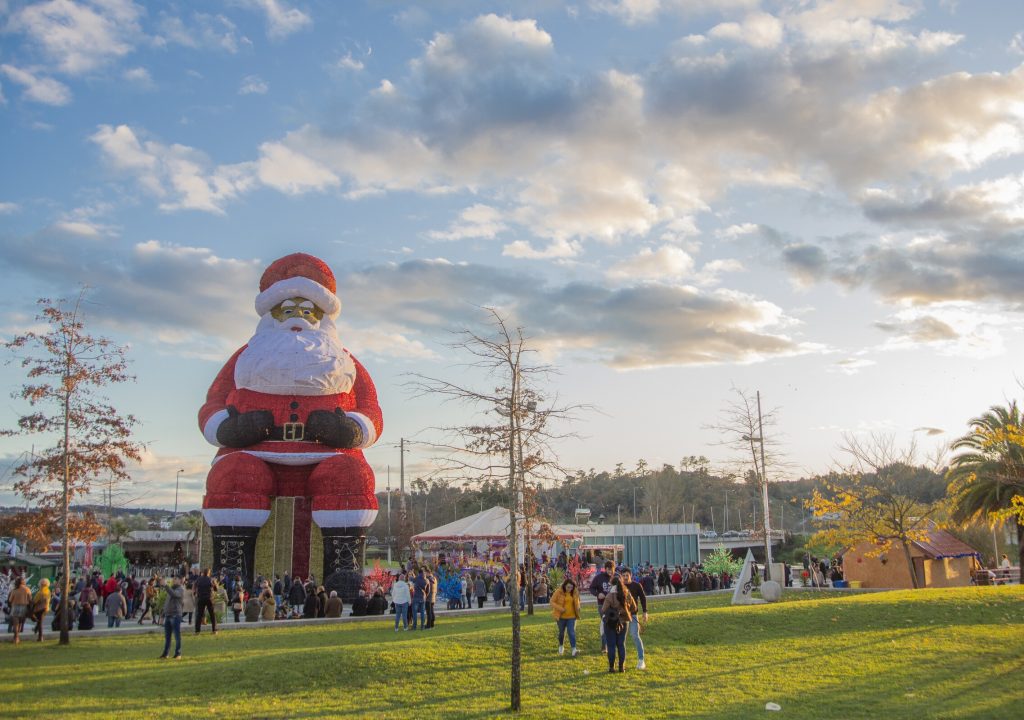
(637,591)
(203,589)
(116,608)
(172,618)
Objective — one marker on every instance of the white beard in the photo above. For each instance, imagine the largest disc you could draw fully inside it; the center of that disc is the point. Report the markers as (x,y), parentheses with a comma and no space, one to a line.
(280,361)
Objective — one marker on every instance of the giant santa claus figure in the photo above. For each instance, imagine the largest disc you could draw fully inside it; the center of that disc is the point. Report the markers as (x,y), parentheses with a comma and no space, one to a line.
(291,412)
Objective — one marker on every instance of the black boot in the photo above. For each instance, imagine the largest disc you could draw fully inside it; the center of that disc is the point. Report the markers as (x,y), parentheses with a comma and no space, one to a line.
(343,561)
(234,550)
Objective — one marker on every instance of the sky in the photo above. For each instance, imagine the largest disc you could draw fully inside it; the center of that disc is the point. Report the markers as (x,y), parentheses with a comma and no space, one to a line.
(820,200)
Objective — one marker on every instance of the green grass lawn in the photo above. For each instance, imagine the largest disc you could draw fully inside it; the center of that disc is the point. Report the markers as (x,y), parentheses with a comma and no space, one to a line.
(925,654)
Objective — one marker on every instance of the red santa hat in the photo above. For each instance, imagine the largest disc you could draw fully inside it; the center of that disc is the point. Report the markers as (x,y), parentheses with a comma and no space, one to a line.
(298,275)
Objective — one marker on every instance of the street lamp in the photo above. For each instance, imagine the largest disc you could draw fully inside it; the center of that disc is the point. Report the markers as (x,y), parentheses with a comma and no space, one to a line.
(177,478)
(634,502)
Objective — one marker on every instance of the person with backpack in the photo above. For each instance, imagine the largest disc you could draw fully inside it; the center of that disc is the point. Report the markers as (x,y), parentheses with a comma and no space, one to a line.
(599,588)
(618,610)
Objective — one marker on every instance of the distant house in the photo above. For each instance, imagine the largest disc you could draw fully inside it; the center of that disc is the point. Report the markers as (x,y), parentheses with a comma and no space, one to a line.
(940,560)
(159,547)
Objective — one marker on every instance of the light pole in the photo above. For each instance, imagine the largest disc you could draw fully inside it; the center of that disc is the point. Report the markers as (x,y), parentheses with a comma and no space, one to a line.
(177,478)
(634,502)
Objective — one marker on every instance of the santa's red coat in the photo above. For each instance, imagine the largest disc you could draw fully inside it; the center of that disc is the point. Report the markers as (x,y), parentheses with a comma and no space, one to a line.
(245,478)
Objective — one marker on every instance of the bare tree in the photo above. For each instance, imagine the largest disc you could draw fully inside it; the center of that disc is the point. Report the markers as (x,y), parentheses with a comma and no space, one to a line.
(741,426)
(65,367)
(512,439)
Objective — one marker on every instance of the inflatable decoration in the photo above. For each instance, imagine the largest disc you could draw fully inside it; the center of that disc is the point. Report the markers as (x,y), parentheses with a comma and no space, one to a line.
(112,560)
(291,412)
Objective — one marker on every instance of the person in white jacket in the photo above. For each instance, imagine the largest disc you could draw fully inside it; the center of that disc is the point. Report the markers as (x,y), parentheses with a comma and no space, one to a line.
(401,597)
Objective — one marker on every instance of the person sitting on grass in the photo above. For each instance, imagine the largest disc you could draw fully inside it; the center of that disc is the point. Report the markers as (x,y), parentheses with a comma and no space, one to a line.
(334,605)
(253,609)
(378,604)
(310,606)
(270,610)
(360,604)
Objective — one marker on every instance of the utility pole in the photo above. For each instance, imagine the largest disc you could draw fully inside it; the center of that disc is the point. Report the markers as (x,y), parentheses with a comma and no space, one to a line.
(402,509)
(389,514)
(764,496)
(177,479)
(726,510)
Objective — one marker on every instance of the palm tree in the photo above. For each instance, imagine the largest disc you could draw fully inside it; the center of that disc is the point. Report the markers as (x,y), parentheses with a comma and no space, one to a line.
(989,472)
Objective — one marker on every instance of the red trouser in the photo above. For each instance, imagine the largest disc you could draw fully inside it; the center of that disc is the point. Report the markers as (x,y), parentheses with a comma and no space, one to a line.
(240,480)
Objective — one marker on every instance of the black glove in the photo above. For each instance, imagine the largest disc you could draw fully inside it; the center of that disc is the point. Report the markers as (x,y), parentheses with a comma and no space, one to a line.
(244,429)
(334,429)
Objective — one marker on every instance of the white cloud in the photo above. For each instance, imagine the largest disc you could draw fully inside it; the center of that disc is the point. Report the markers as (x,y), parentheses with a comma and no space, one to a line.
(152,278)
(973,330)
(201,31)
(182,177)
(631,326)
(282,20)
(865,25)
(735,231)
(39,89)
(1017,44)
(139,75)
(850,366)
(253,85)
(82,229)
(347,62)
(637,12)
(83,36)
(477,221)
(759,30)
(8,208)
(665,263)
(556,249)
(291,172)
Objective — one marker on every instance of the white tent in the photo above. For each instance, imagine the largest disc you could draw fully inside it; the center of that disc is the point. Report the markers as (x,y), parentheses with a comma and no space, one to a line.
(490,524)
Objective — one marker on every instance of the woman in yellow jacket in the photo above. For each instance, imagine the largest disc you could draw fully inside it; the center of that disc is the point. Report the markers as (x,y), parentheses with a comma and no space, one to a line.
(565,606)
(40,606)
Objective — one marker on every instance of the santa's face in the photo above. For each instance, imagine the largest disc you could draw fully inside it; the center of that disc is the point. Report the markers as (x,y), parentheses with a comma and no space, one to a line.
(297,308)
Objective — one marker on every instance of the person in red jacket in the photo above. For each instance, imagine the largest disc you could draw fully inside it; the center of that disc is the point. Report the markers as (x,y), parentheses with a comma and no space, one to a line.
(292,411)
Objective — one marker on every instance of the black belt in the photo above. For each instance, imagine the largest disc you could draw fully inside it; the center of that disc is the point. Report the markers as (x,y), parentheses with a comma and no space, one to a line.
(289,431)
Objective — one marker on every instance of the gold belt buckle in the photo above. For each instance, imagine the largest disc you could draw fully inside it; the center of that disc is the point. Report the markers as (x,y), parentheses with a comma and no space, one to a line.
(293,431)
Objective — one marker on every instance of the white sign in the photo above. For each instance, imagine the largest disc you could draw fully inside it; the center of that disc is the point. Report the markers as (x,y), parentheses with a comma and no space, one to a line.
(743,594)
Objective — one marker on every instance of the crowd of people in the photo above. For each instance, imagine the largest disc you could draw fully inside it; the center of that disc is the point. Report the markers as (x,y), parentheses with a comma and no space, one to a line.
(198,599)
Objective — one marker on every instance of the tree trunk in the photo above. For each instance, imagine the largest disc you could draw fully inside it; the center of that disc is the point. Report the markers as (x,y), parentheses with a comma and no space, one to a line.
(516,679)
(910,564)
(1020,551)
(65,635)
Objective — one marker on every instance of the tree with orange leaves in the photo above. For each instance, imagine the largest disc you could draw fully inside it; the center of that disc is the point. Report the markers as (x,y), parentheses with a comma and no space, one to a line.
(65,368)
